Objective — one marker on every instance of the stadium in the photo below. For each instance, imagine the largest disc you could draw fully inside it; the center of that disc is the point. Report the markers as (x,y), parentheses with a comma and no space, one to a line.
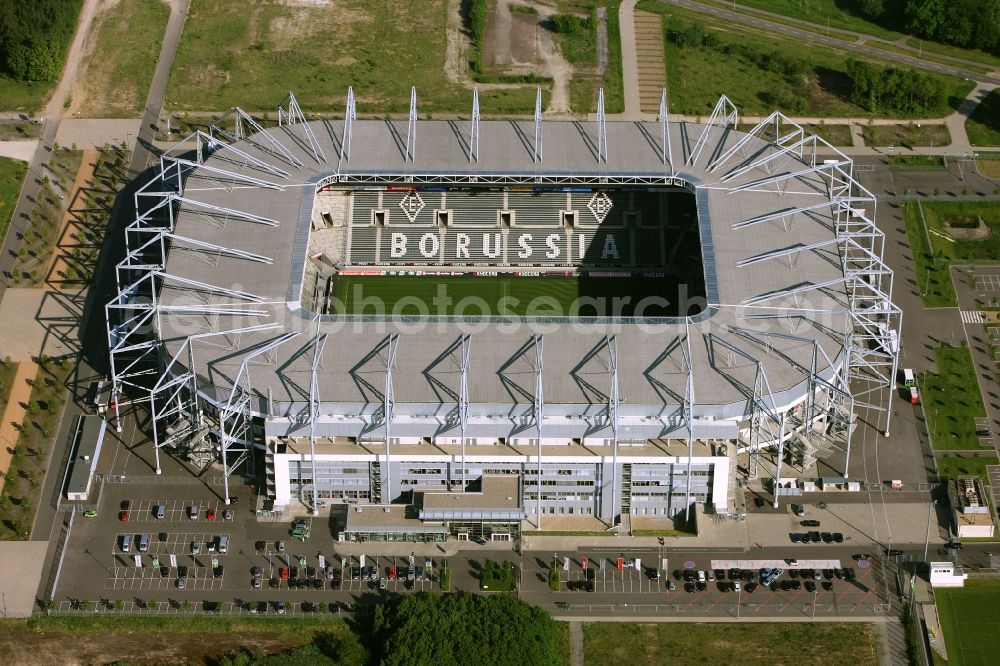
(477,328)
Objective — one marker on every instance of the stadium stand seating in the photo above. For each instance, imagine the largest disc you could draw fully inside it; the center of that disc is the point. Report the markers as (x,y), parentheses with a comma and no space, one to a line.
(539,248)
(537,210)
(473,247)
(361,208)
(603,247)
(361,245)
(398,218)
(475,210)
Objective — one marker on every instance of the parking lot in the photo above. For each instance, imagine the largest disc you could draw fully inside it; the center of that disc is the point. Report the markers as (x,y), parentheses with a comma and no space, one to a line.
(175,510)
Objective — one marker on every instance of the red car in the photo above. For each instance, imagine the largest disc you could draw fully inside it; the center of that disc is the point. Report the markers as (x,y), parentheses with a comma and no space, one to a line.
(210,514)
(123,516)
(392,573)
(283,573)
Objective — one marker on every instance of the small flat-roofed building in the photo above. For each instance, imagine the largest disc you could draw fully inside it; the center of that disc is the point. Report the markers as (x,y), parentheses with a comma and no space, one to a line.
(946,574)
(494,512)
(972,508)
(380,522)
(89,437)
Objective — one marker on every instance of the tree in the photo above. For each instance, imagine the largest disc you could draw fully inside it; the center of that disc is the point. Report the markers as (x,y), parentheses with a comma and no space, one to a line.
(464,629)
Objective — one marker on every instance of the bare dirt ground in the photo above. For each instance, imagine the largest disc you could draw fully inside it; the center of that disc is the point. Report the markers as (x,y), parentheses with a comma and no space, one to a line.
(24,647)
(552,63)
(83,81)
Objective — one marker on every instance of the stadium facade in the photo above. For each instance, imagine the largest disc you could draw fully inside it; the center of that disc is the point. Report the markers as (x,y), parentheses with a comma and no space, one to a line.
(227,321)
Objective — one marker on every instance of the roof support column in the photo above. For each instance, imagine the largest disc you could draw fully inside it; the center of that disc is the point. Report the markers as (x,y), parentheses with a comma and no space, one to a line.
(613,403)
(781,454)
(539,414)
(349,116)
(411,128)
(474,133)
(688,414)
(318,346)
(389,409)
(463,400)
(538,125)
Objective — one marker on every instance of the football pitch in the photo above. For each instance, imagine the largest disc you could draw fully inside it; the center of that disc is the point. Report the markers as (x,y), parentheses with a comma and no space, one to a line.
(479,296)
(970,618)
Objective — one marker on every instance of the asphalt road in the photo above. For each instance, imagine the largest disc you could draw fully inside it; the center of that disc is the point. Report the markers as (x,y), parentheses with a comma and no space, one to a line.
(771,27)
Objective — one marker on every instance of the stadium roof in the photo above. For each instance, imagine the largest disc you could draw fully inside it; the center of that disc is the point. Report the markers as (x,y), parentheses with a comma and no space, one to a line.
(778,278)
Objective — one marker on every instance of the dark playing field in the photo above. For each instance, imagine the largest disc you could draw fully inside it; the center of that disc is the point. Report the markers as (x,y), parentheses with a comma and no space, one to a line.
(471,295)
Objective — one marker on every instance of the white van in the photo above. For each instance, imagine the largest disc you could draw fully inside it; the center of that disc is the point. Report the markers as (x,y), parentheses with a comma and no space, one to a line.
(143,543)
(701,576)
(908,379)
(224,543)
(126,543)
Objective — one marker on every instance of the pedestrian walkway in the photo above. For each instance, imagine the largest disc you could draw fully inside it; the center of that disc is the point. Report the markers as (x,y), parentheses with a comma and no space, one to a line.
(19,150)
(630,63)
(576,643)
(650,67)
(973,317)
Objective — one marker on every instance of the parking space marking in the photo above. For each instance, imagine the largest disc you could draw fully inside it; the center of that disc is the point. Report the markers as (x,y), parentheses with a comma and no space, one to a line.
(175,510)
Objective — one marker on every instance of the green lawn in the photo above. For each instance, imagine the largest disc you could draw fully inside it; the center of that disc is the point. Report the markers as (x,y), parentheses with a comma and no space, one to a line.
(822,13)
(496,296)
(11,178)
(983,126)
(819,644)
(832,14)
(118,71)
(906,136)
(918,162)
(753,73)
(234,54)
(970,618)
(932,260)
(951,467)
(952,400)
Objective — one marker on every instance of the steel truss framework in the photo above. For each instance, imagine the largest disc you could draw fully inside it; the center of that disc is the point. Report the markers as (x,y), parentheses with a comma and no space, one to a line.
(182,406)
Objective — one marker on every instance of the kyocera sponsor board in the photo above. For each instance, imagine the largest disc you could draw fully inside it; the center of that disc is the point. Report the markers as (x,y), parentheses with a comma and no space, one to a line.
(515,247)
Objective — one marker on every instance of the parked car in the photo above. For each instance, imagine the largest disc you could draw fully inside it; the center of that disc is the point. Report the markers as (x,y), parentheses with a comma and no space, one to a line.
(192,512)
(810,523)
(283,573)
(279,546)
(210,515)
(810,586)
(123,516)
(195,547)
(893,552)
(671,585)
(838,537)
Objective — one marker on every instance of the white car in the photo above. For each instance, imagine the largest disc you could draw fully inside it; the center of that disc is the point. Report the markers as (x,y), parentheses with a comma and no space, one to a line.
(195,547)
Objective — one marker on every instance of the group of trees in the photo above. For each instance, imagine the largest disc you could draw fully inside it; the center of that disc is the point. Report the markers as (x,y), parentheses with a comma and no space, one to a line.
(965,23)
(460,629)
(893,89)
(34,37)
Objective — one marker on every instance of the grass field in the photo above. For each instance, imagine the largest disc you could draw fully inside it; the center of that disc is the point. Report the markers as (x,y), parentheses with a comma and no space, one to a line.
(825,15)
(916,162)
(933,253)
(11,178)
(820,644)
(233,54)
(115,76)
(970,618)
(983,126)
(952,400)
(750,71)
(501,296)
(953,467)
(906,136)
